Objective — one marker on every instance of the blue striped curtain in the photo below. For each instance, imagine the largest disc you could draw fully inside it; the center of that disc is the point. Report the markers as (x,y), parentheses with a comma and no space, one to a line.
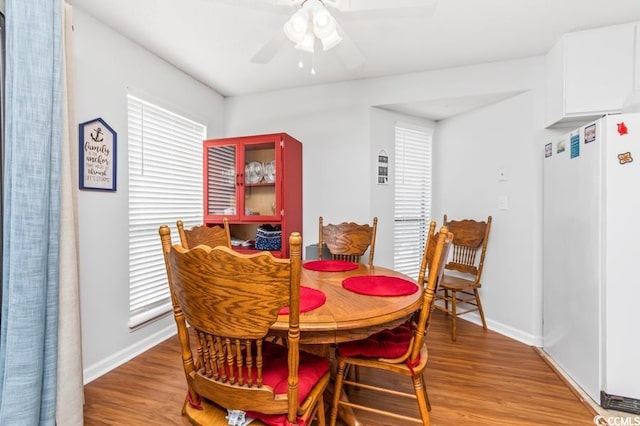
(28,339)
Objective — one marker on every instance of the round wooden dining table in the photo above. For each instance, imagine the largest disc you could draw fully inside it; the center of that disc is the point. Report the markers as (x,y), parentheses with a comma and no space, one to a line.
(346,315)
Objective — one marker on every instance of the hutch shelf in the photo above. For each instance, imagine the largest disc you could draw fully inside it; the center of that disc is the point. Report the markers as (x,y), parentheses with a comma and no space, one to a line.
(253,181)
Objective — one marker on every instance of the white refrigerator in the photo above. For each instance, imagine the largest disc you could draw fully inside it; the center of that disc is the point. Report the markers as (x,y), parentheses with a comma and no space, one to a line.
(591,255)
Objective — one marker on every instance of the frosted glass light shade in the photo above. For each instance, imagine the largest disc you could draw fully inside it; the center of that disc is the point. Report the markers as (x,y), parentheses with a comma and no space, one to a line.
(307,42)
(331,40)
(311,21)
(323,23)
(297,26)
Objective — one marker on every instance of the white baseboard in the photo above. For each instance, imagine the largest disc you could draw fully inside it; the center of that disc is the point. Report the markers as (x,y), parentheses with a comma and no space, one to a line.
(92,372)
(498,327)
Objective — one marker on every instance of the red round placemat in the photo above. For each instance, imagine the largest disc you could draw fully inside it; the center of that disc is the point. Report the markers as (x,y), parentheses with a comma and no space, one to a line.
(330,265)
(380,285)
(310,299)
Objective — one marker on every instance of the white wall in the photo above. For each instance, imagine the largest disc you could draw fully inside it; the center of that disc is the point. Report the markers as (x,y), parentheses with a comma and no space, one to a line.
(107,65)
(342,135)
(470,150)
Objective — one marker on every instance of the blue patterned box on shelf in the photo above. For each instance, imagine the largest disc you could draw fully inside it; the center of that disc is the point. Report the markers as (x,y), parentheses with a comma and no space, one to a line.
(268,238)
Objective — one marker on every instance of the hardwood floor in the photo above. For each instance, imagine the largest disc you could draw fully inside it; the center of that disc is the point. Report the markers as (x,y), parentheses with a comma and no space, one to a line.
(482,379)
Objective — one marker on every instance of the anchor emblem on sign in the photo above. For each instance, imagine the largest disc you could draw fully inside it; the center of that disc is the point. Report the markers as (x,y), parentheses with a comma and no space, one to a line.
(97,135)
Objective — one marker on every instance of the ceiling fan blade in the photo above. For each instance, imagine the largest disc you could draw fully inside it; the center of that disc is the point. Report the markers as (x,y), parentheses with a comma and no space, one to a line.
(348,52)
(269,50)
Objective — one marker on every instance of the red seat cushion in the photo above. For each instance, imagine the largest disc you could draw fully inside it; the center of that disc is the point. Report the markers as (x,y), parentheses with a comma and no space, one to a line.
(390,343)
(275,373)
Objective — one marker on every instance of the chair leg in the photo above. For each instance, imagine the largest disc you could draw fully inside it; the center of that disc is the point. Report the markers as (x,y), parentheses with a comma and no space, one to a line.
(484,323)
(426,394)
(320,411)
(355,377)
(454,315)
(446,300)
(426,397)
(423,403)
(337,390)
(356,374)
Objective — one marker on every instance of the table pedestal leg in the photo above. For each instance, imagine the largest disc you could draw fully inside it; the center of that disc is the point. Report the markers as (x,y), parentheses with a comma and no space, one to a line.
(345,413)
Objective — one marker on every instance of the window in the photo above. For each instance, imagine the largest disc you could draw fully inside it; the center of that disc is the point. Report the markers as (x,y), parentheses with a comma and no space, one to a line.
(412,200)
(165,184)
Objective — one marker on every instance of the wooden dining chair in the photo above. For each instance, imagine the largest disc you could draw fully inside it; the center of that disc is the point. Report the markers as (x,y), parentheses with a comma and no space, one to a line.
(230,301)
(211,236)
(459,288)
(401,350)
(348,241)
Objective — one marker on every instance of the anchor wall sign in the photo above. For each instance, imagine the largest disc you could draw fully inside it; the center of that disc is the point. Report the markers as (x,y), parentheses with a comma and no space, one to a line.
(98,143)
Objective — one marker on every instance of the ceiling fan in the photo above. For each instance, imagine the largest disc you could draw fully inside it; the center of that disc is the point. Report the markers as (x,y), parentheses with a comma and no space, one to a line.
(314,24)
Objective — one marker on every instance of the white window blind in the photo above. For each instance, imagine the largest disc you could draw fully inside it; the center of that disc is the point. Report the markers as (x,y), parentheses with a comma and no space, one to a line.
(412,200)
(165,184)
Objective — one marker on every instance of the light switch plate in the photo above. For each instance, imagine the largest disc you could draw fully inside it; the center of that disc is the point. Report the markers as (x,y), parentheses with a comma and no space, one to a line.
(503,202)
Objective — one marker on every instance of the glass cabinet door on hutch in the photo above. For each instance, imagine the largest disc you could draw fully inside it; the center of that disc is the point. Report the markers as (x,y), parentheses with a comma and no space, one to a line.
(221,180)
(254,180)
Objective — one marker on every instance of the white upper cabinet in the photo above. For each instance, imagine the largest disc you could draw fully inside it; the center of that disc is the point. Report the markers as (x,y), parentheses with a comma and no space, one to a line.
(589,73)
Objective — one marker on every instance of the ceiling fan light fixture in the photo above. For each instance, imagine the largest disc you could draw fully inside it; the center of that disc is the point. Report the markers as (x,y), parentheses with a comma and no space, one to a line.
(323,22)
(313,20)
(297,26)
(331,41)
(307,42)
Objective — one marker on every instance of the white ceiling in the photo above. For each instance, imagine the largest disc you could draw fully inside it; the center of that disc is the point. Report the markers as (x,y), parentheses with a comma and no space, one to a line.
(214,40)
